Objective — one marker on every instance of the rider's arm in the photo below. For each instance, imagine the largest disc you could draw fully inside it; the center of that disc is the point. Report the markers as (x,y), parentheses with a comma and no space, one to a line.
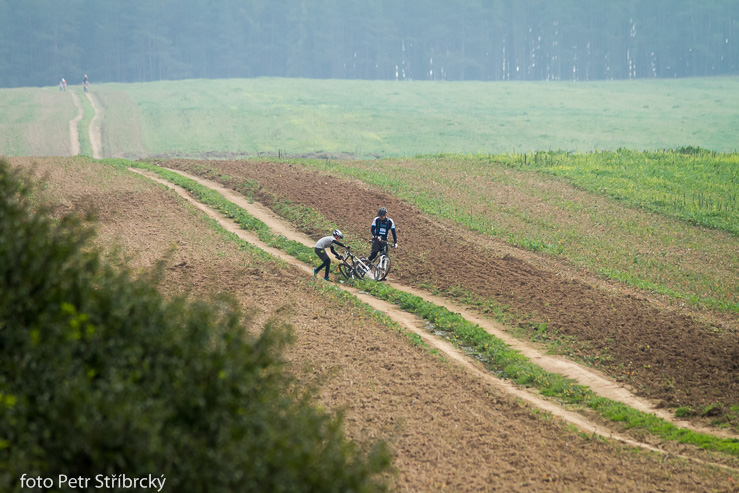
(395,237)
(336,243)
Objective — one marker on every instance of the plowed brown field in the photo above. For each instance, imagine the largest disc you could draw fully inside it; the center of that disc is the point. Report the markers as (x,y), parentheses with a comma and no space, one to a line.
(448,430)
(664,354)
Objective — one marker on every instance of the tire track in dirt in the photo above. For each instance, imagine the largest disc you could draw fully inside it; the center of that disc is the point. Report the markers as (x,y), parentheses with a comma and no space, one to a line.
(74,136)
(417,325)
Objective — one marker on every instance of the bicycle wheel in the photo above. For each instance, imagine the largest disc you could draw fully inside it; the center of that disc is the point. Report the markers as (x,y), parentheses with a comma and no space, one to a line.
(388,265)
(382,268)
(346,271)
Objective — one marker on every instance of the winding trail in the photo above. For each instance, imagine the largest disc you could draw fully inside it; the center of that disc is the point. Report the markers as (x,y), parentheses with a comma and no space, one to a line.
(600,384)
(94,131)
(74,136)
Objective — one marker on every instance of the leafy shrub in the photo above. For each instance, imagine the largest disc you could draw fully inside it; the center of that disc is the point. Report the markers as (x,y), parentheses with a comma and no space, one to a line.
(100,376)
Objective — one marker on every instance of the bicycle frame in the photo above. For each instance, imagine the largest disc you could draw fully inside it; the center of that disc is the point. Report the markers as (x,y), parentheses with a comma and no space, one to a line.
(382,264)
(385,248)
(352,267)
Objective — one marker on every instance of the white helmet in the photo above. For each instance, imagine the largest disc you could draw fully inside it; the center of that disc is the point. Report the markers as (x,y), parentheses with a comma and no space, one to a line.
(338,233)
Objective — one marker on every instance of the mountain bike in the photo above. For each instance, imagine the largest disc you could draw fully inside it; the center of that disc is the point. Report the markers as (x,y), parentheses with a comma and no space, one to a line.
(353,267)
(381,265)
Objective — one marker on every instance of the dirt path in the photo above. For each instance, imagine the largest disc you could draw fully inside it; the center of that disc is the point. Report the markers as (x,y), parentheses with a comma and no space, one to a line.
(416,325)
(95,130)
(74,136)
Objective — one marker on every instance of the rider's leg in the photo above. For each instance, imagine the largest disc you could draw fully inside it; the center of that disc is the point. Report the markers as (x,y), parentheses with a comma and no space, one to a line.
(325,258)
(376,247)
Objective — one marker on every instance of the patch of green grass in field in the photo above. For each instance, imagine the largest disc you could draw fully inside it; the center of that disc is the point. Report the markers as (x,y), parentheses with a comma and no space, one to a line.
(387,118)
(17,109)
(121,124)
(639,236)
(83,125)
(35,121)
(698,186)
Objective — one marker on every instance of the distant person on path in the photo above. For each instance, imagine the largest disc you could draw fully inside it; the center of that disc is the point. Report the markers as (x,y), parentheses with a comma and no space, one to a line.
(85,83)
(64,83)
(320,249)
(381,227)
(61,85)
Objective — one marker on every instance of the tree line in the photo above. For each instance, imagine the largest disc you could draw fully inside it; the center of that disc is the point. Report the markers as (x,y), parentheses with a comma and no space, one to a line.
(135,41)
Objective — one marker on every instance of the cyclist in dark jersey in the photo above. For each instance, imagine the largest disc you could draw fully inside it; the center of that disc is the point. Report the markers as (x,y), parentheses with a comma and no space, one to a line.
(381,227)
(320,249)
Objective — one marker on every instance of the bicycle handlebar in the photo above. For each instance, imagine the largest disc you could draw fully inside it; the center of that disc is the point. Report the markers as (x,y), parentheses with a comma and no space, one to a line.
(383,242)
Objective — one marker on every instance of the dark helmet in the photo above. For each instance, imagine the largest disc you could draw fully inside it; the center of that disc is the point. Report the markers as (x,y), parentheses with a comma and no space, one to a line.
(338,234)
(382,211)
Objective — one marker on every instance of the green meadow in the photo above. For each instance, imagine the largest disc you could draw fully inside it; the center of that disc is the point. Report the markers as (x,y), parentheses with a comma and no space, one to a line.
(35,121)
(199,118)
(387,118)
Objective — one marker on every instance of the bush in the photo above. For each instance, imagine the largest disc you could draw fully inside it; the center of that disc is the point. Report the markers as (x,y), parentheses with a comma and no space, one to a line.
(99,376)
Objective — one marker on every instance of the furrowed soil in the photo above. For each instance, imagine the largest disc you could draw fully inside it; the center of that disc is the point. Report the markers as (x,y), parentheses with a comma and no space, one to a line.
(448,430)
(665,355)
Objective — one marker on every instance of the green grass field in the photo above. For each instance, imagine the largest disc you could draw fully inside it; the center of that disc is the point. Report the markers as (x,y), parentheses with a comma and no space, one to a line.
(699,187)
(35,121)
(300,116)
(200,118)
